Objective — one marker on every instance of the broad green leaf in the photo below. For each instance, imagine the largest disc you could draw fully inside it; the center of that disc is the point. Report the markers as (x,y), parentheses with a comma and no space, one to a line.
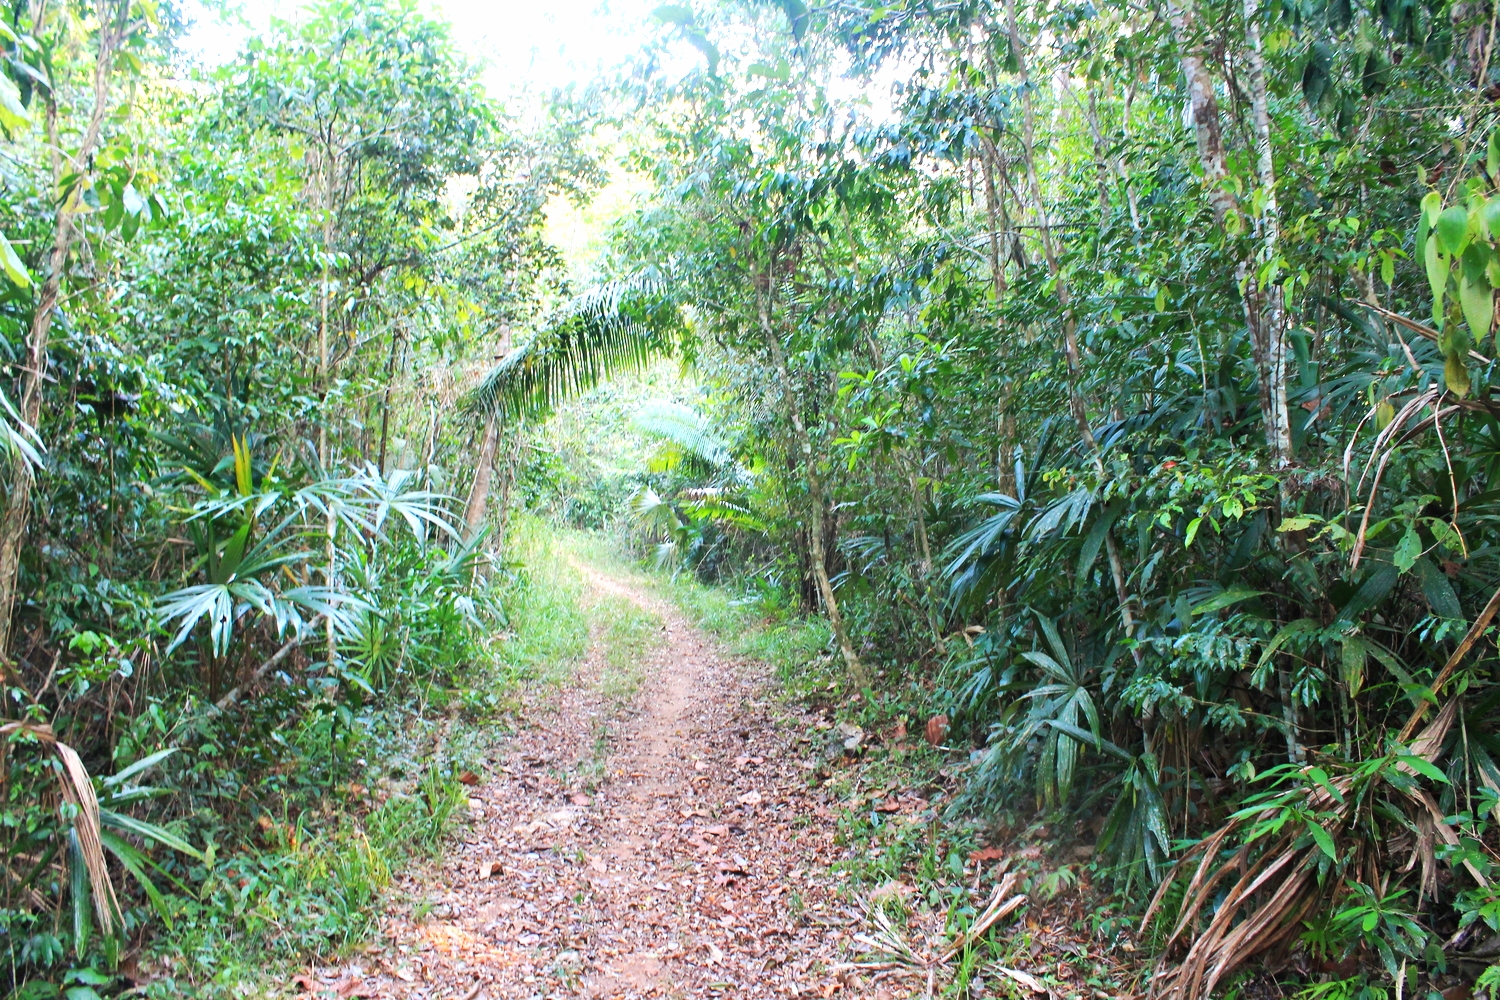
(13,114)
(677,14)
(1438,265)
(1323,839)
(1474,293)
(1452,227)
(1297,523)
(1456,374)
(1233,595)
(1491,214)
(1407,550)
(1424,767)
(14,269)
(1354,659)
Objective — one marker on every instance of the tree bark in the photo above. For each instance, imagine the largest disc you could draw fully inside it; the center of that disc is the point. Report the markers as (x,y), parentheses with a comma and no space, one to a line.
(1270,303)
(112,30)
(479,493)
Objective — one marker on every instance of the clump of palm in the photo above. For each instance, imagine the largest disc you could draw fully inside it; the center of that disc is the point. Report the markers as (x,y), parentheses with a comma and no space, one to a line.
(93,825)
(687,523)
(259,540)
(1305,859)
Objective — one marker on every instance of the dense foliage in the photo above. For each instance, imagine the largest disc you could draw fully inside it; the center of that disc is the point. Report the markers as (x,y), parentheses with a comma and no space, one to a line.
(1115,379)
(1118,378)
(238,308)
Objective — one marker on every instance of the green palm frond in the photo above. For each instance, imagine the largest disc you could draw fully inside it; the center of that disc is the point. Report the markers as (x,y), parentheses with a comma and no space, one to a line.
(616,327)
(686,428)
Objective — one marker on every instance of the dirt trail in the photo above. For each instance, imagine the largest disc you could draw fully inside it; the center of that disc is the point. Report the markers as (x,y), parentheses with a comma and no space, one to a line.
(696,868)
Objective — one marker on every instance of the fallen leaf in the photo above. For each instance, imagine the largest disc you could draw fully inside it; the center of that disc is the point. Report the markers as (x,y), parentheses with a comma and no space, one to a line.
(597,865)
(468,778)
(353,988)
(899,733)
(749,799)
(853,735)
(889,805)
(489,869)
(580,799)
(987,854)
(305,983)
(937,730)
(1024,979)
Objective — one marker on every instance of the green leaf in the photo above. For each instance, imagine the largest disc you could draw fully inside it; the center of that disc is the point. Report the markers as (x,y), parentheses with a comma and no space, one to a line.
(1355,656)
(1424,767)
(1323,839)
(1297,523)
(1490,213)
(1492,154)
(14,269)
(674,14)
(1452,227)
(1437,265)
(1407,550)
(1456,374)
(1474,293)
(13,114)
(1233,595)
(1316,73)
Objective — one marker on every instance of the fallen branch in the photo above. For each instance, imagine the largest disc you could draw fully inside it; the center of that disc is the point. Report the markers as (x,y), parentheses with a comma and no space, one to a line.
(265,668)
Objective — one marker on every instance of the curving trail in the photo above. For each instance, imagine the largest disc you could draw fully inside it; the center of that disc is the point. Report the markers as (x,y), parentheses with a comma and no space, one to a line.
(697,868)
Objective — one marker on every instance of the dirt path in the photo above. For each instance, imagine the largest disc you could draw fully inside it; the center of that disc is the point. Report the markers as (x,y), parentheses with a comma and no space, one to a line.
(695,868)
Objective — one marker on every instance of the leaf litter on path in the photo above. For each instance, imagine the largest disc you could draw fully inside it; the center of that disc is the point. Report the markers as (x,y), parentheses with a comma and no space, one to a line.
(699,867)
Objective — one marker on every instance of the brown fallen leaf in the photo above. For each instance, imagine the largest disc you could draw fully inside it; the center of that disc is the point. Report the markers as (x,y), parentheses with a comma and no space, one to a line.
(937,730)
(489,869)
(353,988)
(987,854)
(889,805)
(749,799)
(580,799)
(468,778)
(1024,979)
(305,983)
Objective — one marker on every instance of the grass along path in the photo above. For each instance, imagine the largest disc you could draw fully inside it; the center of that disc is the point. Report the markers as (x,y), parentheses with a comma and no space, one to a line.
(648,831)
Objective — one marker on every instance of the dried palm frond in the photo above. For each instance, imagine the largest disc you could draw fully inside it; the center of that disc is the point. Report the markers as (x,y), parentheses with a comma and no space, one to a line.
(1273,892)
(898,956)
(77,789)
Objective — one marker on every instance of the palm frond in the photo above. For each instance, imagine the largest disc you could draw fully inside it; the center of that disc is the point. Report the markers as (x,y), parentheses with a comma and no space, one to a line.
(616,327)
(686,428)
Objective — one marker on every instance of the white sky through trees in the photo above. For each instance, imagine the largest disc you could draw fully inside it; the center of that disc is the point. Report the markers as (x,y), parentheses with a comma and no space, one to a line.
(534,45)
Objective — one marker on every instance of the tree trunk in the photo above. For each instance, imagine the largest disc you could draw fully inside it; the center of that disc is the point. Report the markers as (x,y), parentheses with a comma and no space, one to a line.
(479,493)
(1269,302)
(856,668)
(1203,109)
(18,503)
(1070,324)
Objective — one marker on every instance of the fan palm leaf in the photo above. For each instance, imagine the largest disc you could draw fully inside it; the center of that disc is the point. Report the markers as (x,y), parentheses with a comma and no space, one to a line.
(618,326)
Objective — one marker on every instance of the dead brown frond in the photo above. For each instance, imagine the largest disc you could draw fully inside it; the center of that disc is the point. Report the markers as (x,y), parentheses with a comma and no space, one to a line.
(899,956)
(76,789)
(1274,890)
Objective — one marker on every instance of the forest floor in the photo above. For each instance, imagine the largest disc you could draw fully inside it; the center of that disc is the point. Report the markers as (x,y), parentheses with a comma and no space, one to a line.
(673,819)
(648,831)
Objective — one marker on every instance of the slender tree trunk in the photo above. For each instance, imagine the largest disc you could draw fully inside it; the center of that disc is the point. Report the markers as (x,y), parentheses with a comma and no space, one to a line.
(1070,324)
(1263,308)
(1269,301)
(385,402)
(1203,109)
(484,471)
(816,513)
(17,513)
(479,493)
